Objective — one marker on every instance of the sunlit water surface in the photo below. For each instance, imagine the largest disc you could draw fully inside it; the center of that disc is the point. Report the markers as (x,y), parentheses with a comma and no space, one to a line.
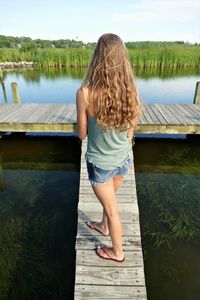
(47,86)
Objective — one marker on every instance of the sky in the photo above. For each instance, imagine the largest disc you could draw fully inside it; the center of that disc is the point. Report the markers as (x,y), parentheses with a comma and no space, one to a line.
(86,20)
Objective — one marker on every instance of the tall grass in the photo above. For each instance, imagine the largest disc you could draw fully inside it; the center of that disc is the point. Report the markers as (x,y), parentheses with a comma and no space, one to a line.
(175,57)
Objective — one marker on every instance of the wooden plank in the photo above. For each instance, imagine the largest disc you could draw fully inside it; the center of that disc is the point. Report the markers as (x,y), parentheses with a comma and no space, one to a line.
(37,127)
(128,229)
(122,191)
(154,116)
(147,116)
(164,113)
(5,108)
(129,276)
(171,117)
(91,198)
(195,113)
(130,243)
(158,114)
(143,118)
(130,216)
(176,112)
(197,107)
(185,114)
(29,114)
(169,129)
(103,292)
(97,207)
(13,111)
(86,257)
(33,118)
(49,113)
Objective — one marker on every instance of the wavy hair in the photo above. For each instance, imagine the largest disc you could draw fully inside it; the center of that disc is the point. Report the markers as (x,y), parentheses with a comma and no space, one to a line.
(112,91)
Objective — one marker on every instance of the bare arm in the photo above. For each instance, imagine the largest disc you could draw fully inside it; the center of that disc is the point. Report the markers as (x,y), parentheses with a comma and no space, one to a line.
(81,115)
(133,126)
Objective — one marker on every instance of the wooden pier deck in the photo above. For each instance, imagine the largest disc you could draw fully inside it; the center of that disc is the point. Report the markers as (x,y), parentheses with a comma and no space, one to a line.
(97,278)
(52,117)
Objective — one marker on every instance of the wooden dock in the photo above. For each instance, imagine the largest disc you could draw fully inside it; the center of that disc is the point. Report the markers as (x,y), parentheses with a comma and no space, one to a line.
(97,278)
(52,117)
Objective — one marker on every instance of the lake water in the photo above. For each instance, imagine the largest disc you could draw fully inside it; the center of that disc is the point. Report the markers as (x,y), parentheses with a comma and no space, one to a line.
(39,180)
(47,86)
(168,190)
(38,216)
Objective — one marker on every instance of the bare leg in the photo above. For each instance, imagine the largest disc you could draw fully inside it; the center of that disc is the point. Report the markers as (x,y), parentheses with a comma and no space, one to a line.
(117,180)
(106,195)
(103,225)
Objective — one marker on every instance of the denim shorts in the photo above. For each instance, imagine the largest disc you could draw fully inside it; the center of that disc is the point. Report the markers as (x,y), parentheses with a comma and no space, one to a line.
(97,175)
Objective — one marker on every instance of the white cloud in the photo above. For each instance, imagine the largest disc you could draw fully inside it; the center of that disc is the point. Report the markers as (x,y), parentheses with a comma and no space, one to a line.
(159,10)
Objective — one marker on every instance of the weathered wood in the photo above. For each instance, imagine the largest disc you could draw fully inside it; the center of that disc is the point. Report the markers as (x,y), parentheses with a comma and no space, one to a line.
(15,92)
(92,241)
(92,271)
(197,94)
(128,276)
(128,229)
(4,91)
(53,117)
(87,257)
(125,217)
(103,292)
(97,207)
(90,198)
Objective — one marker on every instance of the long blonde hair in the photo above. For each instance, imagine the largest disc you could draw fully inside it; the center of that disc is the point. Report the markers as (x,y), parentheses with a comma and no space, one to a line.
(112,91)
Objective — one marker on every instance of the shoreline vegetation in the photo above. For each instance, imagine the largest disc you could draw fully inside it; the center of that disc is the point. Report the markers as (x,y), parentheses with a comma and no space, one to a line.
(76,54)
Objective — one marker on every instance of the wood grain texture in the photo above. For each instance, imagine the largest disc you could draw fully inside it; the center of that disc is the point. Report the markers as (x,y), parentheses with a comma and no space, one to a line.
(96,292)
(61,117)
(86,257)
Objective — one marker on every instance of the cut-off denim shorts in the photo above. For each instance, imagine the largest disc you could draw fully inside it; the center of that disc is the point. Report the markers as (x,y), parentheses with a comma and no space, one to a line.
(97,175)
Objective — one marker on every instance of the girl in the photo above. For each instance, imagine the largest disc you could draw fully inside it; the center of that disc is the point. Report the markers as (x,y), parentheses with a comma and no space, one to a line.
(108,108)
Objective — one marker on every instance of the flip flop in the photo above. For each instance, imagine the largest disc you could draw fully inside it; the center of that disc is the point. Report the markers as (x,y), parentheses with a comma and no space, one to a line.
(91,224)
(109,257)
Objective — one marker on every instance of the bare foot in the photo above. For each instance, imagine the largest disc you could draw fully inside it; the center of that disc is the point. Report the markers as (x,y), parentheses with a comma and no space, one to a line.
(108,253)
(98,226)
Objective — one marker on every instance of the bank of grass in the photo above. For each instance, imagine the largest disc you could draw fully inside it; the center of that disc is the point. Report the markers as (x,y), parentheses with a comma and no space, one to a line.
(175,57)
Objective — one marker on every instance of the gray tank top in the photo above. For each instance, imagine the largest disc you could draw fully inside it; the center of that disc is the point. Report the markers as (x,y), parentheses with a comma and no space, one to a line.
(107,149)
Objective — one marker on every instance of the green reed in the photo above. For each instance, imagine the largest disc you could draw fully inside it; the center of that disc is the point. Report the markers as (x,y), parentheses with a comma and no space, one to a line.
(173,56)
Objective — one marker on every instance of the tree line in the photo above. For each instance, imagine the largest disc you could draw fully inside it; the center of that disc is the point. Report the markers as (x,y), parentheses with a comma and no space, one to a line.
(27,44)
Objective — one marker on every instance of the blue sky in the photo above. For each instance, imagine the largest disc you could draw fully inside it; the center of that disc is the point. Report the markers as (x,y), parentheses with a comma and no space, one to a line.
(86,20)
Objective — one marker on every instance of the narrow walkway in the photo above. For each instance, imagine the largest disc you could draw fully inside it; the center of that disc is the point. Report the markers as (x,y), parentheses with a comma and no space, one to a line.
(97,278)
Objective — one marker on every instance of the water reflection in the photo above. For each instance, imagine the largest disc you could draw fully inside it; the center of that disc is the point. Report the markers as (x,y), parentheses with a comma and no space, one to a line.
(38,211)
(168,188)
(60,85)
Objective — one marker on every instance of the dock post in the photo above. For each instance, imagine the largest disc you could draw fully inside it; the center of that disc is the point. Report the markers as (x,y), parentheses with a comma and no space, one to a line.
(3,86)
(4,91)
(197,93)
(15,92)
